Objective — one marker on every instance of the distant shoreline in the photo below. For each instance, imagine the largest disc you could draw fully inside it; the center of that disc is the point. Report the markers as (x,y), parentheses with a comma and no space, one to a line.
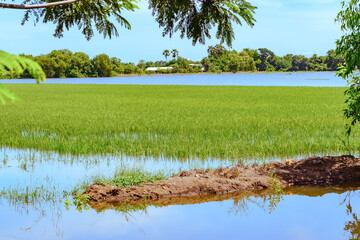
(257,72)
(183,74)
(212,73)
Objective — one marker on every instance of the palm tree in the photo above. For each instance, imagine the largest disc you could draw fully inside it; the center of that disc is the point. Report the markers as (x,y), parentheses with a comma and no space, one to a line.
(175,53)
(216,50)
(166,53)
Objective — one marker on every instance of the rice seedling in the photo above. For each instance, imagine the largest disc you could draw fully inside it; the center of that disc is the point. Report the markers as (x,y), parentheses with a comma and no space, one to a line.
(181,122)
(36,197)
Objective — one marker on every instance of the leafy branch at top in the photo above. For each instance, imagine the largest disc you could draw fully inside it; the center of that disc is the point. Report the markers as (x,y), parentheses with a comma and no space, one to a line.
(194,19)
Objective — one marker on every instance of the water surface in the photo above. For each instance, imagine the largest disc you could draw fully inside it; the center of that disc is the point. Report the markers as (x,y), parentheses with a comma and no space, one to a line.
(300,214)
(311,79)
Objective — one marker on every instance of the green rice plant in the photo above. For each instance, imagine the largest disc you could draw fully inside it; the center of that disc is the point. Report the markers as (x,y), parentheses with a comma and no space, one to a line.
(78,188)
(30,196)
(79,201)
(181,122)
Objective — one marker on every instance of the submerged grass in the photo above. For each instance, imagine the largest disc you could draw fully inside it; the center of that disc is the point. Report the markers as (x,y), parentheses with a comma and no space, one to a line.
(29,196)
(230,122)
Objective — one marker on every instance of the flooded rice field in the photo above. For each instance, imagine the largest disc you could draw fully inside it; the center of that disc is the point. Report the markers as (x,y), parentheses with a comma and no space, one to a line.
(37,203)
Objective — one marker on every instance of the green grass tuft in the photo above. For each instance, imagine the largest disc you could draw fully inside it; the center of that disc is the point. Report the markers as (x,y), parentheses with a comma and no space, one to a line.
(131,177)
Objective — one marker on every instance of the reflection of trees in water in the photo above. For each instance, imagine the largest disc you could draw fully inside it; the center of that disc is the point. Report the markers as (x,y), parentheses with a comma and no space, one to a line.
(241,206)
(352,227)
(272,201)
(264,199)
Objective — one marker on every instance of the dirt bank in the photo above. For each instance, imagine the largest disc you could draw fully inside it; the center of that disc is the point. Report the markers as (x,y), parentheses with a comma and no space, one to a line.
(313,171)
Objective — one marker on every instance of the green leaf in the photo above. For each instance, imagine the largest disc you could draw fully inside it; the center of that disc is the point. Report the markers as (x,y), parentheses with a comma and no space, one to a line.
(12,64)
(7,94)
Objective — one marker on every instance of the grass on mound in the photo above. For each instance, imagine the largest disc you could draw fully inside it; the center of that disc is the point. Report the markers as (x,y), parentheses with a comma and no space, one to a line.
(229,122)
(131,177)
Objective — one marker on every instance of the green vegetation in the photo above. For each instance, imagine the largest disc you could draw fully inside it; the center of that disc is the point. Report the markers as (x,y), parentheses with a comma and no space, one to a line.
(66,64)
(166,53)
(15,66)
(276,195)
(12,66)
(44,192)
(127,209)
(30,196)
(131,177)
(348,48)
(193,19)
(6,94)
(222,60)
(79,201)
(176,121)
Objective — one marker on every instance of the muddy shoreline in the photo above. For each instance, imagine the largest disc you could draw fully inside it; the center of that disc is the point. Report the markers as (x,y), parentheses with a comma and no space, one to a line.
(223,182)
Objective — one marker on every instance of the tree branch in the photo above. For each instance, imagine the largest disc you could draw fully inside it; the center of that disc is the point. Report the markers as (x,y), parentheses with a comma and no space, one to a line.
(34,6)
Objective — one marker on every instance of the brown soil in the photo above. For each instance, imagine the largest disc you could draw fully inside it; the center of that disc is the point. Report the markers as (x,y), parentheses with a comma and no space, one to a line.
(222,182)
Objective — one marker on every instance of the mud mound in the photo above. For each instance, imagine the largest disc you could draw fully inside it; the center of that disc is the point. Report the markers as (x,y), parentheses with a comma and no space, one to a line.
(324,171)
(187,183)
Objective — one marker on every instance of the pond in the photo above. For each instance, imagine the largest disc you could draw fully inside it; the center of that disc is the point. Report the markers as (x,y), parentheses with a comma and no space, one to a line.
(301,213)
(310,79)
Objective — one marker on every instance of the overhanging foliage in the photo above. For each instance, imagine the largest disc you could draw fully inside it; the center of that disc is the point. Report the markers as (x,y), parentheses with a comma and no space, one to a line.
(348,47)
(12,64)
(192,18)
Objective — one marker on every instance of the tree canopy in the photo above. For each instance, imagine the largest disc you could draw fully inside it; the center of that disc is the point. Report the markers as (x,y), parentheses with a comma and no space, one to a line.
(66,64)
(194,19)
(348,47)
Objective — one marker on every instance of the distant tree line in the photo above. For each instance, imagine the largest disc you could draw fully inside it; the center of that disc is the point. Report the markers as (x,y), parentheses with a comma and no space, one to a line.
(66,64)
(262,59)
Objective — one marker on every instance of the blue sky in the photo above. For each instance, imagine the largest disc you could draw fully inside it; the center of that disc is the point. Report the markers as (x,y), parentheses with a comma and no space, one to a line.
(284,26)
